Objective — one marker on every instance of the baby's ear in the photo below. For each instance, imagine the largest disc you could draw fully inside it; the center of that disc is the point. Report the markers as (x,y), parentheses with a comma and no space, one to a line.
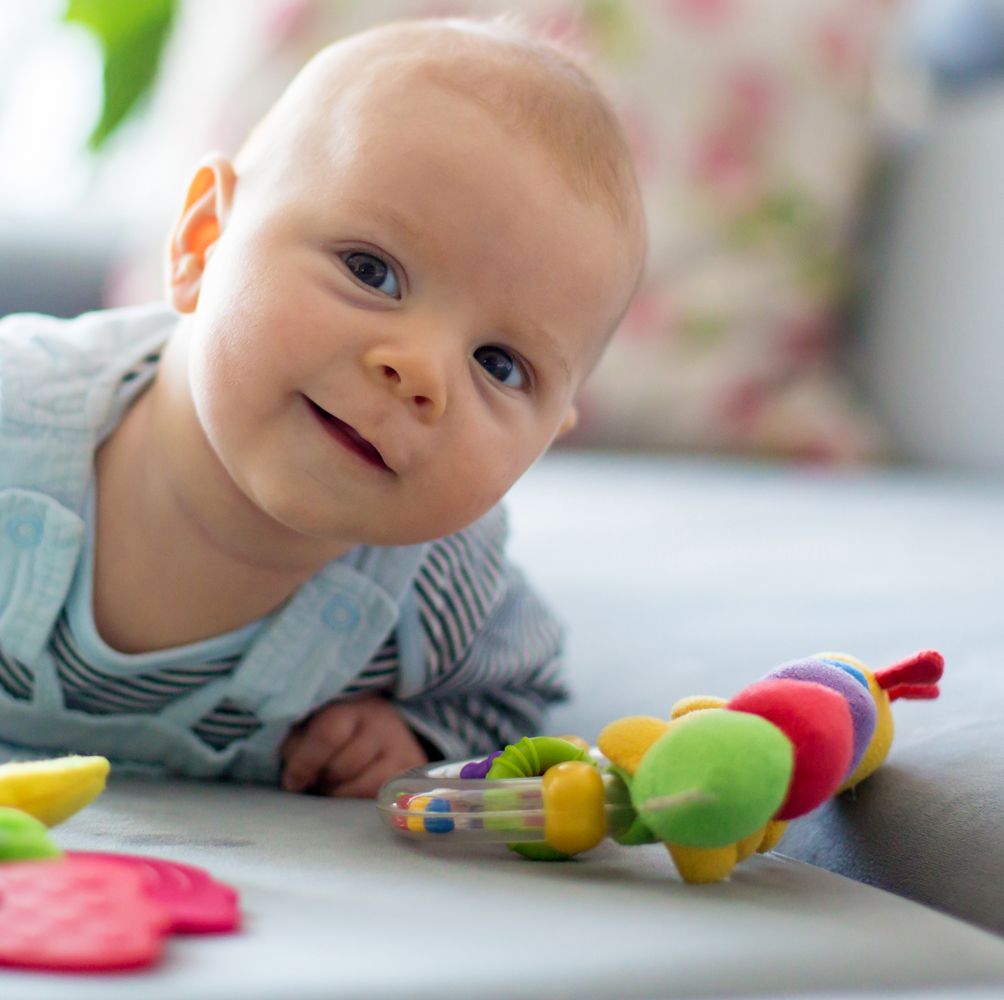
(570,420)
(197,228)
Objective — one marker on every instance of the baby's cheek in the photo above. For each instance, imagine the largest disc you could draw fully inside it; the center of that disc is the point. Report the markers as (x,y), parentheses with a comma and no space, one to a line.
(304,339)
(481,481)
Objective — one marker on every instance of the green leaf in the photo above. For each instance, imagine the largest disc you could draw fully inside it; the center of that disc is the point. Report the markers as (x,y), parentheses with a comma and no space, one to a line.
(132,35)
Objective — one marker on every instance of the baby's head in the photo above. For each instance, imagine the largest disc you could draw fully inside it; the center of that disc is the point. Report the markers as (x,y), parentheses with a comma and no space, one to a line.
(395,291)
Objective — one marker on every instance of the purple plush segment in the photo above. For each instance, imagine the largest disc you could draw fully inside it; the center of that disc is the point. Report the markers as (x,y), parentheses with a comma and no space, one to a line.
(859,700)
(479,768)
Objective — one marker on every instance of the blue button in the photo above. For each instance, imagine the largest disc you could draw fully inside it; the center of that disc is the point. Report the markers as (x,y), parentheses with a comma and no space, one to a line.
(340,614)
(25,531)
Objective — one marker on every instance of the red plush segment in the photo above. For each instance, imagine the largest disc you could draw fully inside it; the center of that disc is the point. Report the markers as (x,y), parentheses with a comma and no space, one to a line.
(914,692)
(818,722)
(925,667)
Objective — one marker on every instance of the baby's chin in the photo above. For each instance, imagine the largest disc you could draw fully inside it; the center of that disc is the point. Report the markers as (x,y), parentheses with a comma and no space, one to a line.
(337,532)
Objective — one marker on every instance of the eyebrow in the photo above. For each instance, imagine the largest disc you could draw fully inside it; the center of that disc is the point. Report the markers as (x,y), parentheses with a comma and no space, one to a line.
(550,342)
(388,215)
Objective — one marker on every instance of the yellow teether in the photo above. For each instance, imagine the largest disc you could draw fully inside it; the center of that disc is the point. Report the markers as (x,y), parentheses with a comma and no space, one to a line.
(575,817)
(52,790)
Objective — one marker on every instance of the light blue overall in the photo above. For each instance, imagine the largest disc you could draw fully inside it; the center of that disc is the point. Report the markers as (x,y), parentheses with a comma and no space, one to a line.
(60,396)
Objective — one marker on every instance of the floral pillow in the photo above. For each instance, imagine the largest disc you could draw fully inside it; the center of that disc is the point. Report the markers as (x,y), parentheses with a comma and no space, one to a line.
(753,125)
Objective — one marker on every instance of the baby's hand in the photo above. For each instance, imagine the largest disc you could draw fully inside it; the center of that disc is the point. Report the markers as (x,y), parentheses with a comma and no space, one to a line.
(349,749)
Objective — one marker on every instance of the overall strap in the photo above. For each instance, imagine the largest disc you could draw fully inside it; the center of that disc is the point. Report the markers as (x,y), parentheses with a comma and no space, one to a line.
(327,633)
(59,392)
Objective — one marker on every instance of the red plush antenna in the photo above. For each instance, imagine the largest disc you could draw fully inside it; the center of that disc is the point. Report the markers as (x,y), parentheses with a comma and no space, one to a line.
(914,677)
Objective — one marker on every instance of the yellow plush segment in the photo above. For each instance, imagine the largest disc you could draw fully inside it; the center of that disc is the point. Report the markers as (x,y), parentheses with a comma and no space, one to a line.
(851,661)
(576,741)
(881,741)
(696,703)
(575,817)
(626,741)
(772,834)
(749,845)
(703,864)
(52,790)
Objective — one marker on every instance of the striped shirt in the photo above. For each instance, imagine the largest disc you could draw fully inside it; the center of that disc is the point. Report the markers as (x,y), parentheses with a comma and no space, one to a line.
(481,690)
(491,655)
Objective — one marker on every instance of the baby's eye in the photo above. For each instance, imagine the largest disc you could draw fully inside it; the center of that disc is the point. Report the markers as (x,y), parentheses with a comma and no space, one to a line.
(501,365)
(372,271)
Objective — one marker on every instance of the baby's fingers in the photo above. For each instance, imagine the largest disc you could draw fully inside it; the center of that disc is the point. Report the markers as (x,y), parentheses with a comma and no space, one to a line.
(308,749)
(353,759)
(367,782)
(305,760)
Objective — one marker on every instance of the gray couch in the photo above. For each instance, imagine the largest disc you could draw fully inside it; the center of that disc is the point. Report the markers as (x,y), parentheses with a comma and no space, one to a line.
(676,577)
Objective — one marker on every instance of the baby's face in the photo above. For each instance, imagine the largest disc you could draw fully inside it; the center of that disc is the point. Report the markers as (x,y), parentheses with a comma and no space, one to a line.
(396,317)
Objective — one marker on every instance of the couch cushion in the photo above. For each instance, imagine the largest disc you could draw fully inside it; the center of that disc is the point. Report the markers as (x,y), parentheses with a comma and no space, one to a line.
(930,824)
(753,124)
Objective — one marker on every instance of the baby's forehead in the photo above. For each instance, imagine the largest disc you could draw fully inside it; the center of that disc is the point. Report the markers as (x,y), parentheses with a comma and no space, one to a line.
(531,88)
(368,78)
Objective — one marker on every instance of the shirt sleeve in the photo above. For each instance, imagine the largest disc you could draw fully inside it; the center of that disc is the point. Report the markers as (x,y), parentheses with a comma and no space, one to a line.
(492,649)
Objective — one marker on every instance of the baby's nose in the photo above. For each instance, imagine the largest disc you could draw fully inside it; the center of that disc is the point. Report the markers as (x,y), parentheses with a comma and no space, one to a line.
(415,376)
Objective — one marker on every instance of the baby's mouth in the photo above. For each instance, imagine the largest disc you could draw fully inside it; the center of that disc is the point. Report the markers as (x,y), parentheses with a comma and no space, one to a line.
(348,436)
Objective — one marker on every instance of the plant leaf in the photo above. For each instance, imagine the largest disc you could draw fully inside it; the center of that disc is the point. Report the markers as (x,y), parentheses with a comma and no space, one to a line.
(132,35)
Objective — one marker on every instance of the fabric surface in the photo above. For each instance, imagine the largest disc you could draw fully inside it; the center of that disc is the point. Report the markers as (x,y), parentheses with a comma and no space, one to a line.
(932,820)
(336,906)
(753,123)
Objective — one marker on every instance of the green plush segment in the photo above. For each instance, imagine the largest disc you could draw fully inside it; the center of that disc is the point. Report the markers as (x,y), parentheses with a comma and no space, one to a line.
(626,827)
(23,838)
(634,835)
(713,778)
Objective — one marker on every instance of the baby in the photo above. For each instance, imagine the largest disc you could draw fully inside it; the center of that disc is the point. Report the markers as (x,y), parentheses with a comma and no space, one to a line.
(256,534)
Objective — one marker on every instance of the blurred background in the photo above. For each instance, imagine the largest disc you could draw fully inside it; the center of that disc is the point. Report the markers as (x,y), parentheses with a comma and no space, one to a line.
(824,181)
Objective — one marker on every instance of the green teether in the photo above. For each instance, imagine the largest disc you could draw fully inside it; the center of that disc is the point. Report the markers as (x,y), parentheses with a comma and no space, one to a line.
(529,758)
(533,755)
(713,778)
(23,838)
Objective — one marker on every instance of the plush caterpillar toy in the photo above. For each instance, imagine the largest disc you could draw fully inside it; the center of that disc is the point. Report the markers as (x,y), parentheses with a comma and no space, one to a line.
(716,782)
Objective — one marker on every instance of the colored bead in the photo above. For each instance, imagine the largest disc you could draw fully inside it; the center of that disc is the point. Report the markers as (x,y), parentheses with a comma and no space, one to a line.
(401,802)
(416,822)
(478,768)
(440,825)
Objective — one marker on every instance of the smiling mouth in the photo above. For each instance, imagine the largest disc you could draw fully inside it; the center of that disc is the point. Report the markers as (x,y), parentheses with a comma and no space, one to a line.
(348,436)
